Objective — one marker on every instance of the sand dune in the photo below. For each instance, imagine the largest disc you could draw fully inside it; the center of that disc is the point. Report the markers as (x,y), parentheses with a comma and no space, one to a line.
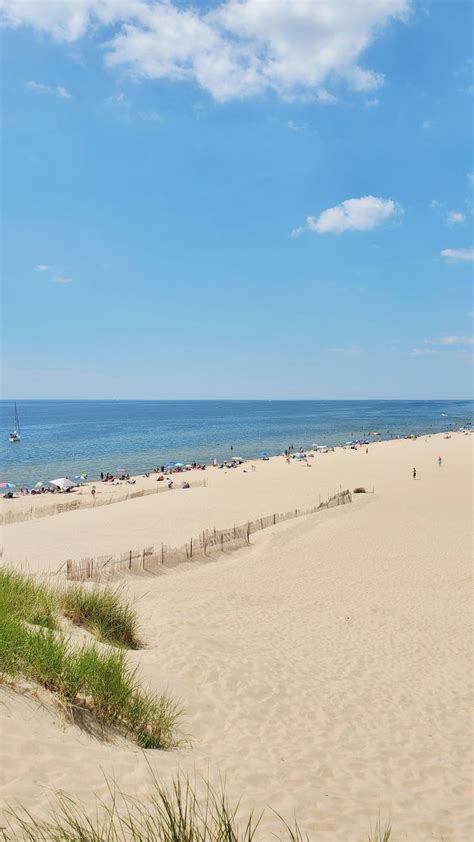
(325,670)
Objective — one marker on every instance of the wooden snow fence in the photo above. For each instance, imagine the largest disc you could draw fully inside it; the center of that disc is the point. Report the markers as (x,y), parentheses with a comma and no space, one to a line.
(206,545)
(71,505)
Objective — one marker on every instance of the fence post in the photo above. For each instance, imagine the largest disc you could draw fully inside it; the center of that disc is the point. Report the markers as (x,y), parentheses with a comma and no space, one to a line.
(162,555)
(191,548)
(130,560)
(222,543)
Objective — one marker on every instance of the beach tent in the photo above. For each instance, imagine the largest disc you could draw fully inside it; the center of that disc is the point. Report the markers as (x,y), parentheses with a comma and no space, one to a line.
(63,483)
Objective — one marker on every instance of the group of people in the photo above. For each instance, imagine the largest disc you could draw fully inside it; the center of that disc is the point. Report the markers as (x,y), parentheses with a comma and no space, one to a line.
(112,478)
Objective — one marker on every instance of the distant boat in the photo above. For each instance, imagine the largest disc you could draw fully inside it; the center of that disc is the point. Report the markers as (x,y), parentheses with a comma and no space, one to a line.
(16,435)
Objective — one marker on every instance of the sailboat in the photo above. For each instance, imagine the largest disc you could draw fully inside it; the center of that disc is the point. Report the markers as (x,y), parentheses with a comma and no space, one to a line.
(16,435)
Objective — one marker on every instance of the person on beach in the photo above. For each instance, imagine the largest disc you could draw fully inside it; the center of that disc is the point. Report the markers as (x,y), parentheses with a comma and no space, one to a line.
(170,484)
(414,473)
(93,492)
(440,461)
(101,476)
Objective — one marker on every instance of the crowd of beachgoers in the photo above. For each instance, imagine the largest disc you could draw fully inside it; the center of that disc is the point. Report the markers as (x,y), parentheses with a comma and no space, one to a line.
(164,472)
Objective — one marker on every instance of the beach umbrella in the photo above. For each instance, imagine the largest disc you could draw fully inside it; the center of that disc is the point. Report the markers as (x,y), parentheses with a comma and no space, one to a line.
(7,485)
(179,465)
(39,484)
(237,459)
(263,454)
(80,477)
(120,471)
(63,483)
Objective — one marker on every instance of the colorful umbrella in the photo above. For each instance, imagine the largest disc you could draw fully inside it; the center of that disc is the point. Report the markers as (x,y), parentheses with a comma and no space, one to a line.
(7,485)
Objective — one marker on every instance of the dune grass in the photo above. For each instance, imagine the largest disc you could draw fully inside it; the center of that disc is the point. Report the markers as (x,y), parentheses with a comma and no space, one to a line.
(180,813)
(22,596)
(98,681)
(102,612)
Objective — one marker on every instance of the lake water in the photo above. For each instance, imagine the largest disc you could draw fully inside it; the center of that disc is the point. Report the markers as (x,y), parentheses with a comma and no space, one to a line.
(66,438)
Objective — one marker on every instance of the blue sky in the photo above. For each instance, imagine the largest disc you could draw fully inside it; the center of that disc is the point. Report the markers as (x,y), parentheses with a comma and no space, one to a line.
(245,199)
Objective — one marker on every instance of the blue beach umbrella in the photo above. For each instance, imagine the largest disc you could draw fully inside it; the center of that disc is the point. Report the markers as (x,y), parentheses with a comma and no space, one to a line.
(7,485)
(179,465)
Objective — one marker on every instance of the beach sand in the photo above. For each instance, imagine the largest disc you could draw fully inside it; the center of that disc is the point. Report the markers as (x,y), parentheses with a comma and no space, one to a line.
(325,670)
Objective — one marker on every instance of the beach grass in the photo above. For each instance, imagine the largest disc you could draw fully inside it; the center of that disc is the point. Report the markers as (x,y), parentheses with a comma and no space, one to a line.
(183,812)
(175,814)
(104,613)
(22,596)
(89,679)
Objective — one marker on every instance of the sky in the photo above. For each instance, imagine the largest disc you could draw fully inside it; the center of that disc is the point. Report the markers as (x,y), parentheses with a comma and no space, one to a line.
(240,199)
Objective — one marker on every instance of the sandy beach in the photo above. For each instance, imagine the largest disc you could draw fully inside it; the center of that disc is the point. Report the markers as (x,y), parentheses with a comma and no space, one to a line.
(325,671)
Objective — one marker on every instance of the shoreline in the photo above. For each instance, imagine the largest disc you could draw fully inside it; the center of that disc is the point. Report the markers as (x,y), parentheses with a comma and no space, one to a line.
(232,495)
(143,483)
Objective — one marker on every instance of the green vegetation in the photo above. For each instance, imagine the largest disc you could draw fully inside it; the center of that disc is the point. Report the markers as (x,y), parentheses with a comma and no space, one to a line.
(87,679)
(102,612)
(178,814)
(21,596)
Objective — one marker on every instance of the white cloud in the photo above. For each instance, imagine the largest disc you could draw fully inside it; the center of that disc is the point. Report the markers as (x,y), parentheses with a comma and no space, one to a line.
(427,124)
(362,214)
(322,95)
(372,103)
(237,48)
(422,352)
(61,279)
(435,204)
(455,218)
(42,267)
(40,88)
(457,340)
(458,255)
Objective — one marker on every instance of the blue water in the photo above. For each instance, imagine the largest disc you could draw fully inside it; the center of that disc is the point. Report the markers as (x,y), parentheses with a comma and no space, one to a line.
(66,438)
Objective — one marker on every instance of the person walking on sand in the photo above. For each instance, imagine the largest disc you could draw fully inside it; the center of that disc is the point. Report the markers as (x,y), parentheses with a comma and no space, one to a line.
(440,461)
(414,473)
(93,492)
